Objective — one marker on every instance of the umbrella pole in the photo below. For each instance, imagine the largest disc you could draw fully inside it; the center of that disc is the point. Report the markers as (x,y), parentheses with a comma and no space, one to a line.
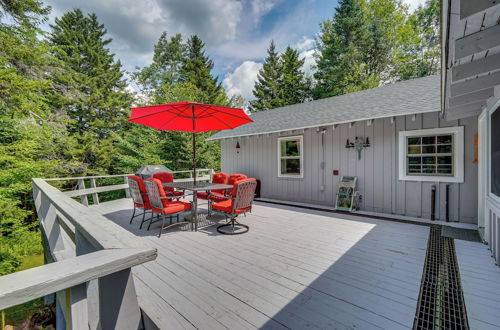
(194,158)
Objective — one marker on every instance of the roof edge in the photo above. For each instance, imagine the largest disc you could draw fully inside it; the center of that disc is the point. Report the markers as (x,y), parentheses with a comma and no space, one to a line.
(318,125)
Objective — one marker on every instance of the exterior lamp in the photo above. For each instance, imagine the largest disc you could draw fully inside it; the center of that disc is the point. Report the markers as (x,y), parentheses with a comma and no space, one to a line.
(238,147)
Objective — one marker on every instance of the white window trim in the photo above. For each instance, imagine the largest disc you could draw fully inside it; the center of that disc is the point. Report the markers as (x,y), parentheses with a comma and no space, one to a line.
(491,111)
(289,138)
(458,154)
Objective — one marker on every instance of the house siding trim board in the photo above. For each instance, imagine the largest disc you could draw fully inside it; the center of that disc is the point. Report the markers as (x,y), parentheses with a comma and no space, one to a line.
(377,170)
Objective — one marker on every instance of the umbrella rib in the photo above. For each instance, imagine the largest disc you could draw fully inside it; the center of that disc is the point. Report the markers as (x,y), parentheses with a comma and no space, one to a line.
(227,113)
(228,126)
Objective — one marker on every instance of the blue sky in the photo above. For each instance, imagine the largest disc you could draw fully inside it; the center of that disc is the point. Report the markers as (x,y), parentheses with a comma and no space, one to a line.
(236,32)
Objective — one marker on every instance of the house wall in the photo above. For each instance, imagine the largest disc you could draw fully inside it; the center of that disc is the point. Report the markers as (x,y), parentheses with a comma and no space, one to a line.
(377,171)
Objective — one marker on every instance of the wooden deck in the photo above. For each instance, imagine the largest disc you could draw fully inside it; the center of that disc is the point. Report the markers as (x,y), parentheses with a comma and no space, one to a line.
(295,269)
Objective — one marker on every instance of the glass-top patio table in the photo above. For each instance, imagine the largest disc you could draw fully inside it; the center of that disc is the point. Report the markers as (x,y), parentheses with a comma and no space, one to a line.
(199,186)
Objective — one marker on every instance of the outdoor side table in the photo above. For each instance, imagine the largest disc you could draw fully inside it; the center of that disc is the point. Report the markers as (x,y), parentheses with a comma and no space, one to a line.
(199,186)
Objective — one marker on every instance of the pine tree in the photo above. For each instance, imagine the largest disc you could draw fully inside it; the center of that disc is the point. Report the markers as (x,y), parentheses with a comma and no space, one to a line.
(167,62)
(100,99)
(267,87)
(340,64)
(295,86)
(196,70)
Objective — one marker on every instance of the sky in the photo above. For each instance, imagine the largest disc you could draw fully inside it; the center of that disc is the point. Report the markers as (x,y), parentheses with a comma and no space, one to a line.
(236,33)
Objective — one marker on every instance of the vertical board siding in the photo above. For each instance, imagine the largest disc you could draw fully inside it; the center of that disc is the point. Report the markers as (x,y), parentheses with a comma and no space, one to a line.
(377,171)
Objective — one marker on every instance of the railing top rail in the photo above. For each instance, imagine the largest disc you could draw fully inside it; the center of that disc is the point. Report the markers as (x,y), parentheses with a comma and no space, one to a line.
(114,175)
(102,233)
(87,177)
(20,287)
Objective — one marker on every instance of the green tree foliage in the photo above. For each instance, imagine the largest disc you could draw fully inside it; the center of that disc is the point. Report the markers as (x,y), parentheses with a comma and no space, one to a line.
(98,101)
(281,81)
(419,50)
(368,43)
(267,91)
(196,70)
(33,139)
(295,85)
(168,59)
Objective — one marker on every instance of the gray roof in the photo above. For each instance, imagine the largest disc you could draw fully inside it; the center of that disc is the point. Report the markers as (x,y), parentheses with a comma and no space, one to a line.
(402,98)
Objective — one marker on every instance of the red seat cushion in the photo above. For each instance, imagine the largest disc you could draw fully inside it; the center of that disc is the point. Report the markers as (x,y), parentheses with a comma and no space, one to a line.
(174,207)
(227,207)
(174,193)
(203,195)
(217,197)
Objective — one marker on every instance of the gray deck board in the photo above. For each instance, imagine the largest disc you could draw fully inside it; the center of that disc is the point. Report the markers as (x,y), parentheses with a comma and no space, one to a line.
(295,268)
(480,279)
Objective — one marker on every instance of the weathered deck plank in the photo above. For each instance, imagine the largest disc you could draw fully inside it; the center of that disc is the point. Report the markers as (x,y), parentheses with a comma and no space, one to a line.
(294,269)
(480,283)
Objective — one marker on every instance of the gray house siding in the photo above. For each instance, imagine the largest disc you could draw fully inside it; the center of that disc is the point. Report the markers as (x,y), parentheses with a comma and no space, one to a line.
(377,171)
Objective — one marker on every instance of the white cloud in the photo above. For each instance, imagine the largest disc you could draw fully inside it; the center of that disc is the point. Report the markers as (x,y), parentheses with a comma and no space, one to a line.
(413,4)
(305,44)
(309,61)
(262,7)
(241,81)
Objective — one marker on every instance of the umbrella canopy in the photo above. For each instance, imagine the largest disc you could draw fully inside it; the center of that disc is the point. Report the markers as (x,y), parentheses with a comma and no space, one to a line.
(189,117)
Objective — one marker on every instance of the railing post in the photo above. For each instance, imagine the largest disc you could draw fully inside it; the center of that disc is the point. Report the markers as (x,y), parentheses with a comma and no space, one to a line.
(95,196)
(83,199)
(127,192)
(118,305)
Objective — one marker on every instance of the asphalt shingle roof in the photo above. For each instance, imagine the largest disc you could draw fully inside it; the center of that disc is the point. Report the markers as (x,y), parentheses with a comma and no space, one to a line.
(402,98)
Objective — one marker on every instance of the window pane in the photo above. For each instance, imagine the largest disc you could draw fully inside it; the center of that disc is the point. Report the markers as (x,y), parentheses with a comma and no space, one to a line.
(414,149)
(429,140)
(290,166)
(444,149)
(429,149)
(414,160)
(414,169)
(290,148)
(429,169)
(445,169)
(429,160)
(413,140)
(444,139)
(495,153)
(444,160)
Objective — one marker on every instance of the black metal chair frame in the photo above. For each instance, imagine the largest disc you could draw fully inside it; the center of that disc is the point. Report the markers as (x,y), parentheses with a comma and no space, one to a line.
(137,197)
(245,193)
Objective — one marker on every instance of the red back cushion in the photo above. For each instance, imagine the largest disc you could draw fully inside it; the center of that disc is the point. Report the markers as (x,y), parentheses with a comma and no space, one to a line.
(235,186)
(220,178)
(235,177)
(161,193)
(165,177)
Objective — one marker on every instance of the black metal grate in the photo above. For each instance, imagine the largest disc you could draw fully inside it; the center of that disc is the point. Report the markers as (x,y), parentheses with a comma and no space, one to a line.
(441,303)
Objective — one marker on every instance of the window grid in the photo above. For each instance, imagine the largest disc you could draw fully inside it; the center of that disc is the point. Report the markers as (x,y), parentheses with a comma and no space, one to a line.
(284,164)
(430,155)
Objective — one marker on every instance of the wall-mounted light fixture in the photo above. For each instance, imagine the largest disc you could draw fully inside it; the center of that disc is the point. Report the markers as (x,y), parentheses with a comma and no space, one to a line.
(359,144)
(238,147)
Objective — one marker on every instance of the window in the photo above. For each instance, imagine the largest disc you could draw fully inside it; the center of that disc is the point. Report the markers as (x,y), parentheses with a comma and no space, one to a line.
(495,152)
(431,155)
(290,157)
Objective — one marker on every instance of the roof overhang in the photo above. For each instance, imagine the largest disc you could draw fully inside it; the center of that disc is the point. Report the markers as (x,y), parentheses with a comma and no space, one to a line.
(329,124)
(470,71)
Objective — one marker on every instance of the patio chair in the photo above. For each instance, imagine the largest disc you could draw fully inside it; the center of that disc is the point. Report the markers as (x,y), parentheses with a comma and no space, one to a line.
(239,202)
(224,195)
(139,197)
(166,177)
(162,204)
(217,178)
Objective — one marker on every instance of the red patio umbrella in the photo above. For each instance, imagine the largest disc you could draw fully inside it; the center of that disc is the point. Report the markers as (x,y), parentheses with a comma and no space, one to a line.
(189,117)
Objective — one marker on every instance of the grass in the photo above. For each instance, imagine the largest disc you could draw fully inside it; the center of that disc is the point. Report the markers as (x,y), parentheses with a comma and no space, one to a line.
(18,314)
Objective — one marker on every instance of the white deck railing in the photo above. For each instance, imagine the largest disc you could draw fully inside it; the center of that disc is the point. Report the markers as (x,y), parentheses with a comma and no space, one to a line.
(91,257)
